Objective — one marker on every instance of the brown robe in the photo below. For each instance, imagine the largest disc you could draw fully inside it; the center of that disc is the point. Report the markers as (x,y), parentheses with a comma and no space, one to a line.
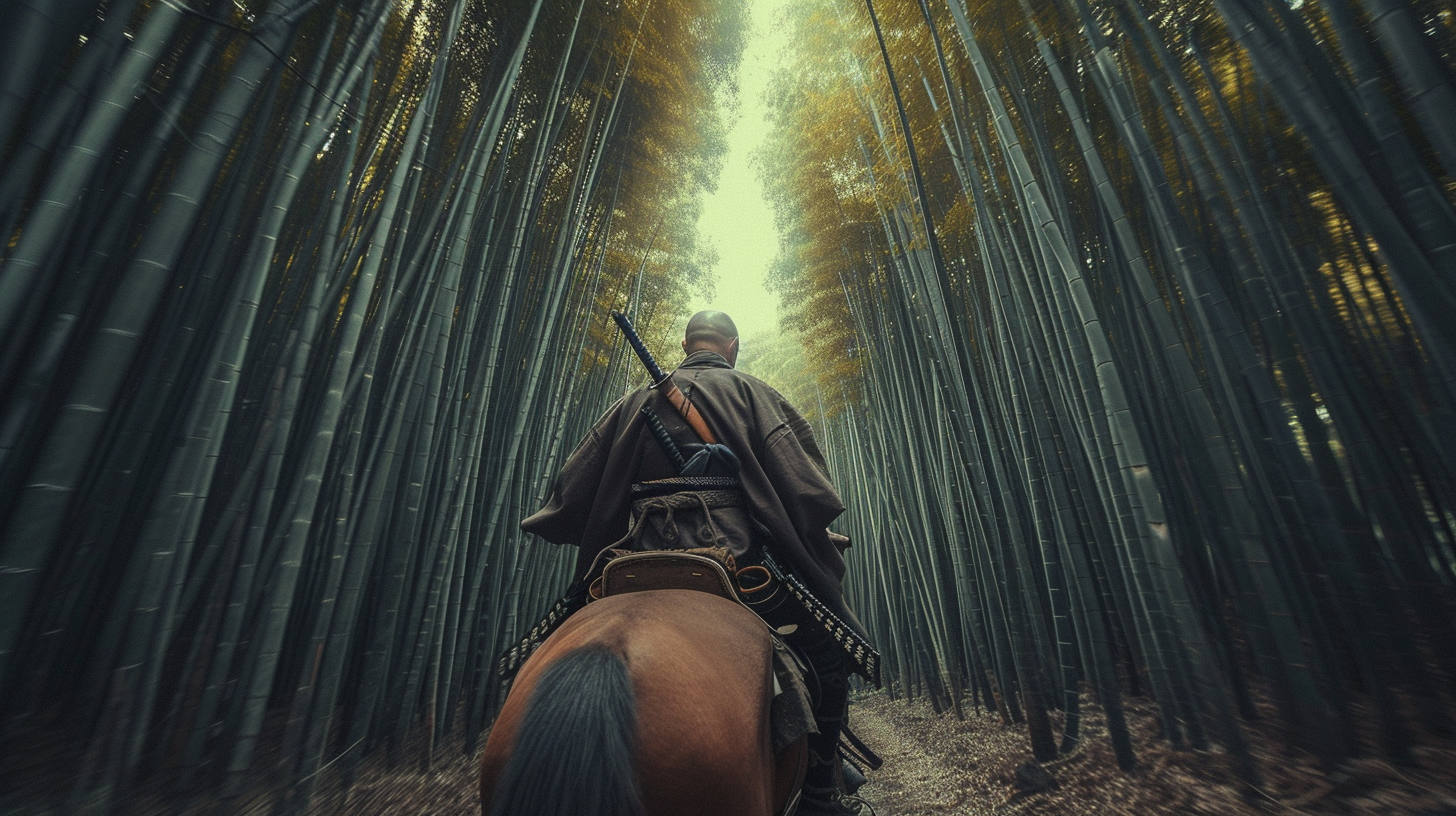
(783,474)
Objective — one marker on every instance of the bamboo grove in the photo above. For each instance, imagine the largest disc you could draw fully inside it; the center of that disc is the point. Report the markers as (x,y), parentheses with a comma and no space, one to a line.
(1137,321)
(302,302)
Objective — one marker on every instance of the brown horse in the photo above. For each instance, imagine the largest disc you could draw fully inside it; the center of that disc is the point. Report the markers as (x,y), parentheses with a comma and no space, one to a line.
(653,703)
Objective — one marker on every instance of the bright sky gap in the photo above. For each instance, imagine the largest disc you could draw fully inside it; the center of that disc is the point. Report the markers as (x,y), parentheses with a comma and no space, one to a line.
(736,218)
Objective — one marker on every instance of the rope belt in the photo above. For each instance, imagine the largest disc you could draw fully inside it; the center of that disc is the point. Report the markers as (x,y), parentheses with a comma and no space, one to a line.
(682,484)
(660,508)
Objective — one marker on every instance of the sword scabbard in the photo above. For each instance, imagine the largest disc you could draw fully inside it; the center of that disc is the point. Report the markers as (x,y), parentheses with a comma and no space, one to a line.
(662,381)
(689,412)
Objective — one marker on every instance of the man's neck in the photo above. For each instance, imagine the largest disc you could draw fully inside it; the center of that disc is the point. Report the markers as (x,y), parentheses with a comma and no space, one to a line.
(706,358)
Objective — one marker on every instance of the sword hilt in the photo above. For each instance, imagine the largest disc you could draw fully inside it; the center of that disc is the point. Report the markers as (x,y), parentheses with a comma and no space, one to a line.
(657,374)
(664,438)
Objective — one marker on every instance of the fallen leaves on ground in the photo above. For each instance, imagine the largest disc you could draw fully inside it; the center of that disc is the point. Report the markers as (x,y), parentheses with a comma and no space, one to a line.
(938,765)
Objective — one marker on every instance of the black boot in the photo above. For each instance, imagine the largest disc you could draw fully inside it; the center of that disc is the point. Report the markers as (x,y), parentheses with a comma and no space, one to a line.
(853,779)
(821,795)
(823,785)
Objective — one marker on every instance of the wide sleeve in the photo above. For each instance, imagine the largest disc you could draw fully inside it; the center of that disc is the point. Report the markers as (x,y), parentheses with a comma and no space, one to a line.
(796,469)
(564,518)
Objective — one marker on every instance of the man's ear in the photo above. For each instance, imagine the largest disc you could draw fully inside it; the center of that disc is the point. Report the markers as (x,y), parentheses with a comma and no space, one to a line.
(685,345)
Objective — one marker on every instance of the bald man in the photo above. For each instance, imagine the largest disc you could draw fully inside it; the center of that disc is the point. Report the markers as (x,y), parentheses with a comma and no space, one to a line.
(780,498)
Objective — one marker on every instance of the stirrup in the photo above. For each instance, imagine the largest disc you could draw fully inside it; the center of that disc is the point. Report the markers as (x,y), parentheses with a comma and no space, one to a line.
(854,778)
(825,802)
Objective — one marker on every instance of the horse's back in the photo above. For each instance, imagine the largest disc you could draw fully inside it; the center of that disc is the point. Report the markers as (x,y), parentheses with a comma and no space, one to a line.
(701,670)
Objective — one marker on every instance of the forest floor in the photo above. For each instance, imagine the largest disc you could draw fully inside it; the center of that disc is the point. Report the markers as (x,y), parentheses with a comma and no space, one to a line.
(938,765)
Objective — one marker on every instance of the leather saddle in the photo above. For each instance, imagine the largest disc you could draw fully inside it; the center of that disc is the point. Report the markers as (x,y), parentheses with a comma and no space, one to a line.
(668,569)
(710,570)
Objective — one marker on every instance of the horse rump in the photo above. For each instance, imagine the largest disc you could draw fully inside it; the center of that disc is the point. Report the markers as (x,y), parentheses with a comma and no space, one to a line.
(573,748)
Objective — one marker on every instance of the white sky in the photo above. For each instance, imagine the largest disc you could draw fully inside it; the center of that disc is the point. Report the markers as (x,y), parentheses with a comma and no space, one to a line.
(736,218)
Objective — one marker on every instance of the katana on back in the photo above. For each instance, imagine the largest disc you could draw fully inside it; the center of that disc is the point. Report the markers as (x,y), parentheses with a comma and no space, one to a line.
(663,382)
(655,371)
(712,461)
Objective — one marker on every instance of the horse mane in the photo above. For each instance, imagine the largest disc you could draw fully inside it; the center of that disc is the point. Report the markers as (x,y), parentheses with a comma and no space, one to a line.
(573,751)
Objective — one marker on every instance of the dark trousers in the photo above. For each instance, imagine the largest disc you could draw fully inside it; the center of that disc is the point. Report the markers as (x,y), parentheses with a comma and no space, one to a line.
(831,706)
(829,686)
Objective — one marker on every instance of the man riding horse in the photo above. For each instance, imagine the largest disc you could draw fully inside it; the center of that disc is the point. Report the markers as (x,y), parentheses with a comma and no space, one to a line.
(757,486)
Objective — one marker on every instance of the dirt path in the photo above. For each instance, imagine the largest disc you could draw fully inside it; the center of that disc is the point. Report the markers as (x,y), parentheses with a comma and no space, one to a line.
(936,765)
(933,764)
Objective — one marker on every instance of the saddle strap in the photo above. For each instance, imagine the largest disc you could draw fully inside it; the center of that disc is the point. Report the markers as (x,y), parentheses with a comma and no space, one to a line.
(850,744)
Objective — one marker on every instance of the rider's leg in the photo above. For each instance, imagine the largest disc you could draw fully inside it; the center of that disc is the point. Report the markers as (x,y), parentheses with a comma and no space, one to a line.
(831,666)
(821,782)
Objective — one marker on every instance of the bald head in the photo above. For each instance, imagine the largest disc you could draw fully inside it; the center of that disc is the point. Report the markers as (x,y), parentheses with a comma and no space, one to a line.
(712,331)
